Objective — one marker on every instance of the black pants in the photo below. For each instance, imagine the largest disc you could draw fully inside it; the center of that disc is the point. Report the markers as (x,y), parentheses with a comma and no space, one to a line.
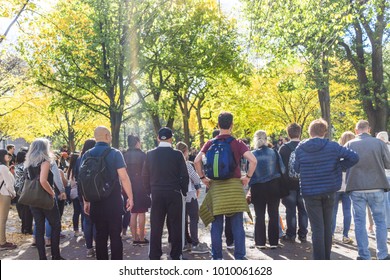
(166,204)
(26,217)
(53,216)
(266,195)
(109,228)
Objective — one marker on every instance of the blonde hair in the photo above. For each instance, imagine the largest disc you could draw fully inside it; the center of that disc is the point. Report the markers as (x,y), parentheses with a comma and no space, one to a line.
(345,137)
(182,147)
(259,139)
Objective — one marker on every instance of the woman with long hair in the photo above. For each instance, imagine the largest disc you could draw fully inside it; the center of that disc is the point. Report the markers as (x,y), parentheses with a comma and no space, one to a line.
(7,193)
(38,164)
(74,196)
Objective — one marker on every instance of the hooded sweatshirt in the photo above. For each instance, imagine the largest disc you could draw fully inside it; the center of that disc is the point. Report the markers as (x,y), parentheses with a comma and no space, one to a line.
(320,163)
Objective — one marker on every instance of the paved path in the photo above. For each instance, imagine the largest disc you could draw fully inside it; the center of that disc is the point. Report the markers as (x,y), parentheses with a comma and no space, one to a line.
(74,247)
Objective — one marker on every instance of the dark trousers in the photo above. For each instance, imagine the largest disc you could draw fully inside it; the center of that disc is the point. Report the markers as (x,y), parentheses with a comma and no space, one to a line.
(77,213)
(320,211)
(166,204)
(53,216)
(192,212)
(266,195)
(292,202)
(109,228)
(228,232)
(26,218)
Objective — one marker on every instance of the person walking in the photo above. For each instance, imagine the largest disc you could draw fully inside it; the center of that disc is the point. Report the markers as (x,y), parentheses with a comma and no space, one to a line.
(367,183)
(107,213)
(320,163)
(165,177)
(225,196)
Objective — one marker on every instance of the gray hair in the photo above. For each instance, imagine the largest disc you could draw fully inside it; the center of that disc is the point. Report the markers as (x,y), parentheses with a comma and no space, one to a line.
(383,136)
(38,152)
(259,139)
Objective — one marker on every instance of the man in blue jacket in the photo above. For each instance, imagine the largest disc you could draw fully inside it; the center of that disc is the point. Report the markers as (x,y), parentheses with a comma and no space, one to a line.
(320,163)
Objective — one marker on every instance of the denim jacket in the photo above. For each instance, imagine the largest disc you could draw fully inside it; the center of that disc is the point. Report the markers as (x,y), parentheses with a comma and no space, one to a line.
(266,168)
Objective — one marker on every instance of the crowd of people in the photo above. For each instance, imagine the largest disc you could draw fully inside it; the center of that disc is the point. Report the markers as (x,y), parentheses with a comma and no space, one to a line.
(167,180)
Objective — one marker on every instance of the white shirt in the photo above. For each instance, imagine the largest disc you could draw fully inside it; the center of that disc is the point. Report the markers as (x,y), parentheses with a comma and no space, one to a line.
(9,181)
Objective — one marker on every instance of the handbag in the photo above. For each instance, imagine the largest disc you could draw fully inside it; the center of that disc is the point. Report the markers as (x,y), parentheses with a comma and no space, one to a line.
(284,189)
(34,195)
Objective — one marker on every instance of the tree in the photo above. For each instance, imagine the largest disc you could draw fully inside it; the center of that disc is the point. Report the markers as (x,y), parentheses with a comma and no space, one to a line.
(14,9)
(83,52)
(368,33)
(309,29)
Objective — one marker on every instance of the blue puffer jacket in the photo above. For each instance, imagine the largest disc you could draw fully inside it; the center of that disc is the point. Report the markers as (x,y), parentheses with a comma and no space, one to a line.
(266,168)
(320,163)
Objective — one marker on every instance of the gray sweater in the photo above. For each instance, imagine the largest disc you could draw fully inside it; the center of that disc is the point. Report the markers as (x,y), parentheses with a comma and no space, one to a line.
(369,172)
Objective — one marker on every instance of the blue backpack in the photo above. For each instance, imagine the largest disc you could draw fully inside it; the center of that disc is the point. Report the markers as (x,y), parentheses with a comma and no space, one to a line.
(220,160)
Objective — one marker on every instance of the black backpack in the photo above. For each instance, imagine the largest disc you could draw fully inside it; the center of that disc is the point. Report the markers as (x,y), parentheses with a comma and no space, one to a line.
(94,179)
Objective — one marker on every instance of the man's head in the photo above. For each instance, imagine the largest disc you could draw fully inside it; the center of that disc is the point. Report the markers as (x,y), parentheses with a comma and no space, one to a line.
(102,134)
(215,133)
(362,126)
(318,128)
(294,131)
(165,134)
(383,135)
(11,149)
(225,120)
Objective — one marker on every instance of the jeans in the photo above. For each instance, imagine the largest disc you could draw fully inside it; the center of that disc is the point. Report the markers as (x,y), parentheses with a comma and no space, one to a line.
(375,201)
(292,202)
(387,207)
(76,214)
(53,217)
(89,228)
(237,221)
(320,211)
(228,232)
(346,202)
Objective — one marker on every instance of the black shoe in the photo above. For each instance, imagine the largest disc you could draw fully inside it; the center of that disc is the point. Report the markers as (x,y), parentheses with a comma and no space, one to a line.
(288,239)
(302,239)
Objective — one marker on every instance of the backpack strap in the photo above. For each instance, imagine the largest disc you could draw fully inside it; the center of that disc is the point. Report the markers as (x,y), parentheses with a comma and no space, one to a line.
(2,183)
(106,152)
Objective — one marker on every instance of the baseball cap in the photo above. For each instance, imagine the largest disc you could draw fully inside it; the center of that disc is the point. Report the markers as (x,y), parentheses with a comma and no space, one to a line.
(165,133)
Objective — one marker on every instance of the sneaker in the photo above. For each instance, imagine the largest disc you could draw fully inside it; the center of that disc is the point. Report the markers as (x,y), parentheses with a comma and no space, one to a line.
(347,240)
(261,247)
(8,246)
(230,246)
(91,253)
(201,248)
(302,239)
(48,243)
(187,247)
(77,233)
(288,239)
(273,246)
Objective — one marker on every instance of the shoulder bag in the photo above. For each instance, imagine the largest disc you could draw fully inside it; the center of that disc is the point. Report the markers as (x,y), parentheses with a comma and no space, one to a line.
(33,194)
(284,181)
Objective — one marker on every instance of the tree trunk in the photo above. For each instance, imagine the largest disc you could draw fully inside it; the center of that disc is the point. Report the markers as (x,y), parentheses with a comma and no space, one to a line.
(200,126)
(322,81)
(116,120)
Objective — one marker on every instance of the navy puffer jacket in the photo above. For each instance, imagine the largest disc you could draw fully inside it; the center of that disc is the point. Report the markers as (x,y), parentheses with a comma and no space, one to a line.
(320,163)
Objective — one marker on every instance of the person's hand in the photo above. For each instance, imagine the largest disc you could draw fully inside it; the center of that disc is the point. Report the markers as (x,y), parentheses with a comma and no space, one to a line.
(87,207)
(129,204)
(245,180)
(62,196)
(248,198)
(206,182)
